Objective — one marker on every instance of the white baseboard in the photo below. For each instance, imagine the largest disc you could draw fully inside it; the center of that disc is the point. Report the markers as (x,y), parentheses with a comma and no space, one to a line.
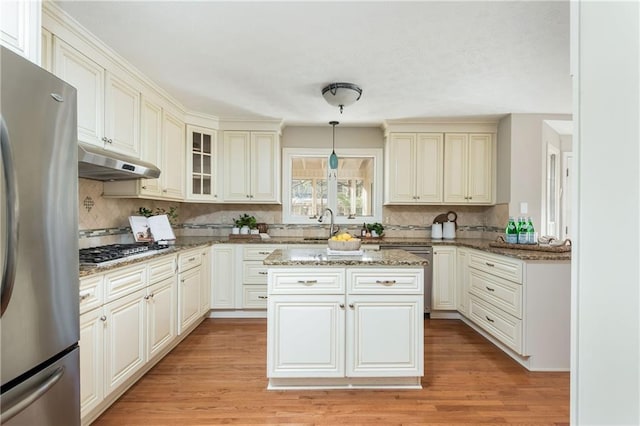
(238,314)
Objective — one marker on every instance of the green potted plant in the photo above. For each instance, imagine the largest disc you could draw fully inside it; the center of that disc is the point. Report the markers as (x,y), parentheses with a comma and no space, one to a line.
(245,223)
(376,229)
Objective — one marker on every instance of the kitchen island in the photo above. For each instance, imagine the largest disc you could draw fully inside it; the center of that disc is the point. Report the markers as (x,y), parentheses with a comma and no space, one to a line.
(344,321)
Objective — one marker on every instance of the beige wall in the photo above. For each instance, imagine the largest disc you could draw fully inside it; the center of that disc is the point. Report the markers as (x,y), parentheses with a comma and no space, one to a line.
(321,137)
(520,144)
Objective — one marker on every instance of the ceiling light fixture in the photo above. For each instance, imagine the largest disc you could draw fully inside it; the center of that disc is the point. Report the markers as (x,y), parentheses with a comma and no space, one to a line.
(333,158)
(341,94)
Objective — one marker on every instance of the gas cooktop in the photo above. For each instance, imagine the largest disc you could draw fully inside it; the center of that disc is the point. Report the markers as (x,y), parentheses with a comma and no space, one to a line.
(115,253)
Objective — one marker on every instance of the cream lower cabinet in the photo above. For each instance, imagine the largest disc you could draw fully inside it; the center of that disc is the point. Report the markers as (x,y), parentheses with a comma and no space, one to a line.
(189,288)
(224,275)
(254,275)
(354,326)
(161,315)
(124,338)
(92,325)
(443,293)
(462,280)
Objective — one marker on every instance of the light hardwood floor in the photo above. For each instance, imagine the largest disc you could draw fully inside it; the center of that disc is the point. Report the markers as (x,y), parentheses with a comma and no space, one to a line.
(217,376)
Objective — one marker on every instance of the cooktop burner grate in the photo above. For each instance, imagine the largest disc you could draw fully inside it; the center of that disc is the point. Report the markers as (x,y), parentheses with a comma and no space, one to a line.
(116,252)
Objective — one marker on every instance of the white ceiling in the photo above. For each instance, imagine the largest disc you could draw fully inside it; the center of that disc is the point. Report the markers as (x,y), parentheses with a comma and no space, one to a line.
(412,59)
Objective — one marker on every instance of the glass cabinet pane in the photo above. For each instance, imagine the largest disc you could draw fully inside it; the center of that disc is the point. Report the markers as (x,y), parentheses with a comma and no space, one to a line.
(206,164)
(206,144)
(197,166)
(197,142)
(206,185)
(197,185)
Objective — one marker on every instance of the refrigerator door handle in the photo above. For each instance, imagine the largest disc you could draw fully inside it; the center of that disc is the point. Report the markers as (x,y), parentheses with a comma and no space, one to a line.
(31,395)
(11,243)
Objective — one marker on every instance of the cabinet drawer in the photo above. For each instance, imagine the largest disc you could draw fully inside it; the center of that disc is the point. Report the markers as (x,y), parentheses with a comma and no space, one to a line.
(259,252)
(124,281)
(254,297)
(503,294)
(91,292)
(499,324)
(385,281)
(161,269)
(254,272)
(320,281)
(501,266)
(189,260)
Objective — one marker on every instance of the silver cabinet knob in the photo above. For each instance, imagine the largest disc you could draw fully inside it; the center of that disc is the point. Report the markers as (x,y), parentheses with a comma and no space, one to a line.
(103,318)
(351,305)
(341,305)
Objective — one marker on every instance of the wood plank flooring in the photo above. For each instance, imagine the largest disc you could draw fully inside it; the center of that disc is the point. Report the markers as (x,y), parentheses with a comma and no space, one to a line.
(218,376)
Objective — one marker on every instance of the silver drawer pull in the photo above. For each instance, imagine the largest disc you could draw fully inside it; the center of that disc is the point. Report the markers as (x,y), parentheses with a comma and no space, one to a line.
(263,297)
(488,319)
(264,252)
(307,282)
(386,282)
(489,264)
(490,289)
(262,273)
(86,295)
(191,259)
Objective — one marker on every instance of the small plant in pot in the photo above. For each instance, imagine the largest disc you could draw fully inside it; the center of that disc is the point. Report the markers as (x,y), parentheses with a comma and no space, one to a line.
(244,224)
(376,229)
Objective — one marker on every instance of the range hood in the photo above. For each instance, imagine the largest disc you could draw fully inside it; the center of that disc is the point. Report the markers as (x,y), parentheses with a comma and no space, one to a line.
(99,164)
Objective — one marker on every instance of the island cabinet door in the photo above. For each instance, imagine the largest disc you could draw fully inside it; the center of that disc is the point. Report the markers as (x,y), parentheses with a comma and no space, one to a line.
(384,336)
(306,336)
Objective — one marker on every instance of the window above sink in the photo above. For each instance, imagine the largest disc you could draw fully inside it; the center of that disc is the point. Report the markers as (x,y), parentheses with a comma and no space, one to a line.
(353,191)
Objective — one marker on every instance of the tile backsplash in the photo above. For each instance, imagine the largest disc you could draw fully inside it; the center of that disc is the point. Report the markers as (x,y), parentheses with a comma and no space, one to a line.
(105,220)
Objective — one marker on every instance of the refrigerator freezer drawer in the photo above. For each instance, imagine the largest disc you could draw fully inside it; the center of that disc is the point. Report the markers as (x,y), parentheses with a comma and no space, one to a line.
(51,397)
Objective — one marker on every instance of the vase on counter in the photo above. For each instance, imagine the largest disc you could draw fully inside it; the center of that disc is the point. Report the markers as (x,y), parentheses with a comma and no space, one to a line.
(235,230)
(244,230)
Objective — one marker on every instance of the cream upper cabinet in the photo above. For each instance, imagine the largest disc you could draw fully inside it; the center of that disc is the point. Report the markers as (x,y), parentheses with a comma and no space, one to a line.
(46,50)
(122,115)
(151,142)
(468,168)
(252,167)
(20,27)
(162,144)
(202,159)
(173,162)
(88,78)
(414,168)
(108,103)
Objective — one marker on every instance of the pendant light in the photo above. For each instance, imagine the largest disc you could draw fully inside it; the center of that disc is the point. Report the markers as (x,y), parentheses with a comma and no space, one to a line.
(333,159)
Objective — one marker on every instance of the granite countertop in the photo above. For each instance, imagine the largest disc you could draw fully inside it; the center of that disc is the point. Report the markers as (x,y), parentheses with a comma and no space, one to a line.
(180,245)
(320,257)
(184,243)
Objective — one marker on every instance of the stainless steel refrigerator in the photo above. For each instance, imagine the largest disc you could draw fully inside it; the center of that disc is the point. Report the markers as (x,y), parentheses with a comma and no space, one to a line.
(39,325)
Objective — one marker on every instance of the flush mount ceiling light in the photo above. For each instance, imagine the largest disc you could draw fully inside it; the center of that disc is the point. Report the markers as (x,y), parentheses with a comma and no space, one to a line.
(341,94)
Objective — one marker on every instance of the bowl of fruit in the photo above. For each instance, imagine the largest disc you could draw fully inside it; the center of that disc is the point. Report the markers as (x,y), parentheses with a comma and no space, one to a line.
(344,242)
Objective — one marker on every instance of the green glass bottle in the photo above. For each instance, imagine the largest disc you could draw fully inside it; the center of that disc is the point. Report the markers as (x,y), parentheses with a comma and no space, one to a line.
(512,231)
(531,234)
(523,237)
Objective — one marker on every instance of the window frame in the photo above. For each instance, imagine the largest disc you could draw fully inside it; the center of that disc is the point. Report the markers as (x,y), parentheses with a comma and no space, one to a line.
(332,184)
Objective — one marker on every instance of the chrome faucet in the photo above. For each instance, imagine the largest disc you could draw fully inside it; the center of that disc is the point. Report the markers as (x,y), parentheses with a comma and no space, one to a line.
(333,229)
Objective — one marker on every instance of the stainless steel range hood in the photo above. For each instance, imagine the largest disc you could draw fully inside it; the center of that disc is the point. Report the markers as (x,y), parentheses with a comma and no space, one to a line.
(99,164)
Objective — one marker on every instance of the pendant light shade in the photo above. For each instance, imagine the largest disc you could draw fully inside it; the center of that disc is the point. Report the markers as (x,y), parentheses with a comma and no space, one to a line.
(333,158)
(341,94)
